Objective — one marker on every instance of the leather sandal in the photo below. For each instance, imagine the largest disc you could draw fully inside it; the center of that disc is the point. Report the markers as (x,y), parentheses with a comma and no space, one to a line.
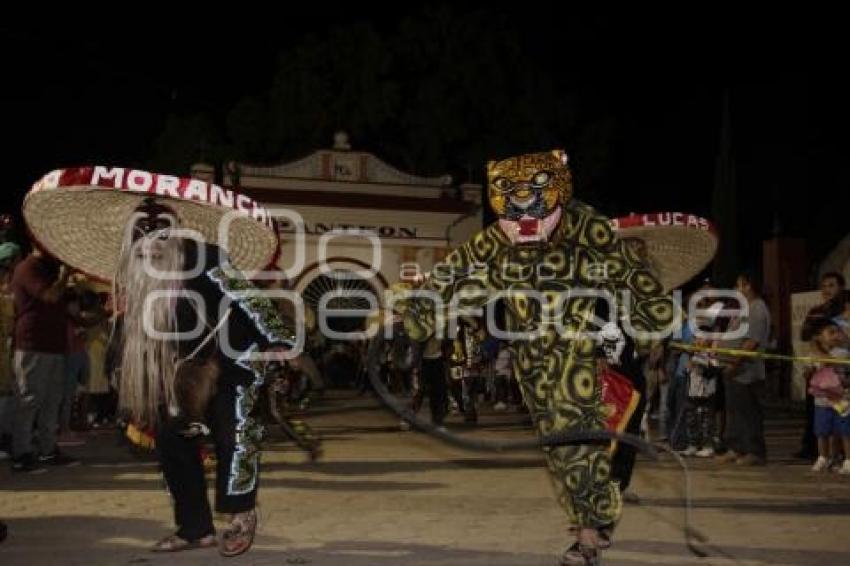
(580,555)
(173,543)
(239,535)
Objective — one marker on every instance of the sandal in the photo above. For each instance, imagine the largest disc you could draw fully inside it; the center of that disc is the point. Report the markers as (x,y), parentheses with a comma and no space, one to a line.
(239,535)
(173,543)
(580,555)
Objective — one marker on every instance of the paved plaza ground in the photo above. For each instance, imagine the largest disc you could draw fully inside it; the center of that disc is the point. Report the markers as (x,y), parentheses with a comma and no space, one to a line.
(383,497)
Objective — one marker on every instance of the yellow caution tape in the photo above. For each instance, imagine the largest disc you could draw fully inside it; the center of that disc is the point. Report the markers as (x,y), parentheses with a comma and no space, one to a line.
(752,354)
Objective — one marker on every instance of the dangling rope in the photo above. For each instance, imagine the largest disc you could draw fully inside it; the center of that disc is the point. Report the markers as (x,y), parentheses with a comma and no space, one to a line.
(374,356)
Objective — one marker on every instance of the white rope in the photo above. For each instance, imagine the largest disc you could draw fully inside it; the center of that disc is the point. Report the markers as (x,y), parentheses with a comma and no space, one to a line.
(212,333)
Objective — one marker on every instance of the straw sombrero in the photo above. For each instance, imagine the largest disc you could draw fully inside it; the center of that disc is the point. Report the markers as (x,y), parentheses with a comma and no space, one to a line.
(80,216)
(678,245)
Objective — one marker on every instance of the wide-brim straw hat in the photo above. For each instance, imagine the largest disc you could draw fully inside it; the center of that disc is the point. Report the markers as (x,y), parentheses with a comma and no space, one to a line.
(678,245)
(81,215)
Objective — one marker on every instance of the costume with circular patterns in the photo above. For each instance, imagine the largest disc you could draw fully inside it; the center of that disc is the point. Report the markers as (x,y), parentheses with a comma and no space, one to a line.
(548,257)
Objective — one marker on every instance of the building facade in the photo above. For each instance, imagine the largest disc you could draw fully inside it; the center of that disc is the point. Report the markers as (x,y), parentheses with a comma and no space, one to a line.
(350,221)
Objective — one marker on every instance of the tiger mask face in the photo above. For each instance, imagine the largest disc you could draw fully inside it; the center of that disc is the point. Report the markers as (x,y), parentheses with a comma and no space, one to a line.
(527,193)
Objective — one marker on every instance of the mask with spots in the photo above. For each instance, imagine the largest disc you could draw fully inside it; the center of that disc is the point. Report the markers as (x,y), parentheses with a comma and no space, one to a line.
(527,193)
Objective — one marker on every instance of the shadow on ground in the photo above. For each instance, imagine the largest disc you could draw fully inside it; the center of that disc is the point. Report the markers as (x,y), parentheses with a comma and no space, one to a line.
(87,541)
(101,540)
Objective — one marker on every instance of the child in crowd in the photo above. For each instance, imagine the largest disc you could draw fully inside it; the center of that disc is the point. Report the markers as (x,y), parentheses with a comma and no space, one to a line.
(829,384)
(704,373)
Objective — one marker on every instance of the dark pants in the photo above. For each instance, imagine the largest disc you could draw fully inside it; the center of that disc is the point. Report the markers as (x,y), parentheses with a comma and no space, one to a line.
(456,390)
(701,422)
(39,386)
(76,374)
(432,382)
(514,393)
(237,453)
(501,388)
(745,418)
(105,405)
(808,443)
(471,387)
(400,381)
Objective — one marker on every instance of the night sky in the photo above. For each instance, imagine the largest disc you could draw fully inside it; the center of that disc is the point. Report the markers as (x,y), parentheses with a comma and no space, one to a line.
(75,97)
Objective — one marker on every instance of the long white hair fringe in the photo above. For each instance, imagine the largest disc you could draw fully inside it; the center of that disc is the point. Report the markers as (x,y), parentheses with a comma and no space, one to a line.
(147,363)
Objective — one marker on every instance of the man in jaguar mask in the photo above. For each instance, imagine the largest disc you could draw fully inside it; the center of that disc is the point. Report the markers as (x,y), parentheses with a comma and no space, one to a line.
(177,377)
(549,257)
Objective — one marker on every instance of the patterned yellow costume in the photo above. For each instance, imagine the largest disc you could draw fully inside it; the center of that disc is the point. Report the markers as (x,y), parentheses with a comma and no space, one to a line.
(545,247)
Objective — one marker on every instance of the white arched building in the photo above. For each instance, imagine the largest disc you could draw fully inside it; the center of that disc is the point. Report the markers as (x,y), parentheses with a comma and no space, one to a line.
(406,222)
